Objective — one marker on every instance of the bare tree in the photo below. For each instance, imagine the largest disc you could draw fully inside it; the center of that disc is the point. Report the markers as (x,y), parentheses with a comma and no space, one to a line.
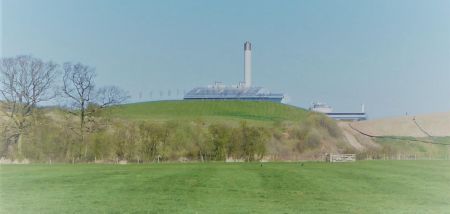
(25,82)
(111,95)
(78,85)
(105,98)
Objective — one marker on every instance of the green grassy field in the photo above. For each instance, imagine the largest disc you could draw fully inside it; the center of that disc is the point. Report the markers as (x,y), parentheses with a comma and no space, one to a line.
(361,187)
(209,110)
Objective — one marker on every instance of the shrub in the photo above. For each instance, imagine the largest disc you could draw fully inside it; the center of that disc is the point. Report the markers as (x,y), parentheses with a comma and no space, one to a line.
(324,122)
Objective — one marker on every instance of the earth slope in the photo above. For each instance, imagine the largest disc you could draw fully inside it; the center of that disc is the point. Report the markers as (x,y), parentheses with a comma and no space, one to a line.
(436,125)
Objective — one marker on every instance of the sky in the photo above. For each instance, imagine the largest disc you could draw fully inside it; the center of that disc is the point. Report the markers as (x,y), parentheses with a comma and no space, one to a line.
(392,56)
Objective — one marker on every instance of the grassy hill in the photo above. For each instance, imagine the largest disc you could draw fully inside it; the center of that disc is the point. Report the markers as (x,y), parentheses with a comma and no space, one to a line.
(174,130)
(266,113)
(209,110)
(292,132)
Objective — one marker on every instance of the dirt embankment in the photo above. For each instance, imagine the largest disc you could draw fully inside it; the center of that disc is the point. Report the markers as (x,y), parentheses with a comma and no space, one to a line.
(436,124)
(357,140)
(360,134)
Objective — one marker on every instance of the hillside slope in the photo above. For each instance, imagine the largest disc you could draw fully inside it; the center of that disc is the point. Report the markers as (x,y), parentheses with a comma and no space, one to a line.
(190,129)
(181,130)
(424,136)
(436,124)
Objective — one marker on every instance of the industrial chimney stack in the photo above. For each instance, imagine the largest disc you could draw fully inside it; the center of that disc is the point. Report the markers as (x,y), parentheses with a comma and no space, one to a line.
(247,64)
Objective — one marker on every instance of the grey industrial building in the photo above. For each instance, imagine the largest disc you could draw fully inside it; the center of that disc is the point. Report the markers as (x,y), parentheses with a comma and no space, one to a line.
(243,91)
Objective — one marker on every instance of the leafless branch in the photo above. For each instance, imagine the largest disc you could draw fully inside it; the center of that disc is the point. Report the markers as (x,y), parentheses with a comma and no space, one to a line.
(111,95)
(25,81)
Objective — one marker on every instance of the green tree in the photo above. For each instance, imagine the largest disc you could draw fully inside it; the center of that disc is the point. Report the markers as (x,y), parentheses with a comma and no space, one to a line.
(125,138)
(253,142)
(234,148)
(220,137)
(260,136)
(201,141)
(153,138)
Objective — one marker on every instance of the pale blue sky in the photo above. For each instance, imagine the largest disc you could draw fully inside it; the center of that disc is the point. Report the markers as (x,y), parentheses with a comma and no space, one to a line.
(394,56)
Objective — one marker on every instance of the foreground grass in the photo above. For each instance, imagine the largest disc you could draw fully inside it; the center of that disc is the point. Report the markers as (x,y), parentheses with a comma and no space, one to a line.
(361,187)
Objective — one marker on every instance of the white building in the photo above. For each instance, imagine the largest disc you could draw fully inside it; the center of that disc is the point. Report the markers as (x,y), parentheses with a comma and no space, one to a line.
(347,116)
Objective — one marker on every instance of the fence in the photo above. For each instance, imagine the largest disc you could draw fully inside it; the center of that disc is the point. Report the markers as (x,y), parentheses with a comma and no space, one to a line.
(403,156)
(333,158)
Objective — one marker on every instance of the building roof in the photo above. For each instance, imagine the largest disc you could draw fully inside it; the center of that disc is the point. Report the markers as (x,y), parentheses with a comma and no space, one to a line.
(229,92)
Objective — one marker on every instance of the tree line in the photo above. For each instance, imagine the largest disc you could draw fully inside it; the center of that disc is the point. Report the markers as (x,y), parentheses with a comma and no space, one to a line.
(146,142)
(27,82)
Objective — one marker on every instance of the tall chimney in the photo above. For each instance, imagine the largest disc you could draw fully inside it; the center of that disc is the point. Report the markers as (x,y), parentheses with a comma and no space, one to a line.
(247,64)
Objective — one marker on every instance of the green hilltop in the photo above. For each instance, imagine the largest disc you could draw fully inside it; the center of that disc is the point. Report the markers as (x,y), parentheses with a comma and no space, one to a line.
(257,111)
